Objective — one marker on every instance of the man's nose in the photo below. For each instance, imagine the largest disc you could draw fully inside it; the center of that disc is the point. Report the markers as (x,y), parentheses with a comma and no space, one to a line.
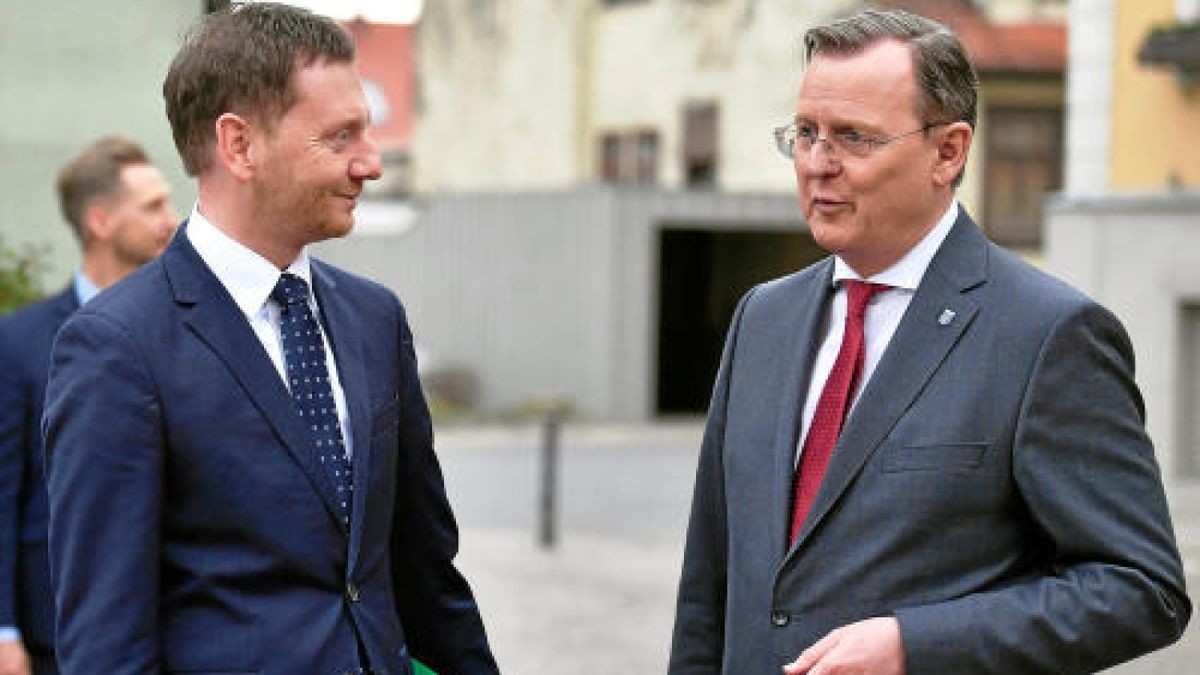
(170,217)
(819,159)
(368,166)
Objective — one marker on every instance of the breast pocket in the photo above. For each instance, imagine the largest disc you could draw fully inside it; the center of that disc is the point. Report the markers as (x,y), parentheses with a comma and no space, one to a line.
(935,457)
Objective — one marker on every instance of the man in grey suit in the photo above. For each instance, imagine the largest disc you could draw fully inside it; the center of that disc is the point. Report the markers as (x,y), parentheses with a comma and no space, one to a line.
(922,454)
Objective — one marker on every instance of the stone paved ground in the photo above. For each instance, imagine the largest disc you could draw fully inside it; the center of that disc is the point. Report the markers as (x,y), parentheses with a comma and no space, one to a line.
(602,600)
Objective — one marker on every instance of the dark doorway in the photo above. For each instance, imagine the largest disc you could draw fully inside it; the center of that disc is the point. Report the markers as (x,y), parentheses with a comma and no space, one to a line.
(702,276)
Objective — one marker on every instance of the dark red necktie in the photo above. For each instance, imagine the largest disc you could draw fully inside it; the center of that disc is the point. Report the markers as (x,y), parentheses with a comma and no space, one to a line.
(833,404)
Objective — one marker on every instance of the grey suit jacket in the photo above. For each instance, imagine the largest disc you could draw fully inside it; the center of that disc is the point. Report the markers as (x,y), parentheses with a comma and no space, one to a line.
(993,489)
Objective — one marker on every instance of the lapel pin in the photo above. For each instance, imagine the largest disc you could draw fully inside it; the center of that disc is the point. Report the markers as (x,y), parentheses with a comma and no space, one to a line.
(946,317)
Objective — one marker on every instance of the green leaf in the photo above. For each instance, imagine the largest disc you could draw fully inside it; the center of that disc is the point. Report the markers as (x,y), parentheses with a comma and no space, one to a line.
(19,272)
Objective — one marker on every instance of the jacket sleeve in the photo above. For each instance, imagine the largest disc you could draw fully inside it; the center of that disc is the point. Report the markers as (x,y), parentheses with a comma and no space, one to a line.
(1085,469)
(697,645)
(438,611)
(14,409)
(104,445)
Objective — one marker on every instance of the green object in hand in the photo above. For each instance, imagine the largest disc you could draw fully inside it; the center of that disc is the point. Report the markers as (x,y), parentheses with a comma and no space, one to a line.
(421,669)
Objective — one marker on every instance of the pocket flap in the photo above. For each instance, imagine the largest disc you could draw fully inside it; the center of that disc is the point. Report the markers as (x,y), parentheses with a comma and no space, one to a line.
(940,456)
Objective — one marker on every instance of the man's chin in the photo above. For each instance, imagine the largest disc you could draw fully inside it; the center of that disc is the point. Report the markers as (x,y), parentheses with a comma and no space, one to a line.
(337,227)
(827,233)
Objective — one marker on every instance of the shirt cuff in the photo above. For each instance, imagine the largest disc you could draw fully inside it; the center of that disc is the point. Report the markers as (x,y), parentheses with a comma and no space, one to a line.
(9,634)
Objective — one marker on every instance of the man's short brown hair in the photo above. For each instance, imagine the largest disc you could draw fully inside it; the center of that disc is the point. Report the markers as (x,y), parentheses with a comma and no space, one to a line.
(95,174)
(243,60)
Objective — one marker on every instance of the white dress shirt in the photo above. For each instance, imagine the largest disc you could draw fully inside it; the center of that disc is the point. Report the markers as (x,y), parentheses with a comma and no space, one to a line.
(249,278)
(883,314)
(85,290)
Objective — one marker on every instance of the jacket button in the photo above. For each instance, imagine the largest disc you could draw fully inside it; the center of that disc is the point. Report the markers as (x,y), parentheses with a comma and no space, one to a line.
(780,619)
(352,592)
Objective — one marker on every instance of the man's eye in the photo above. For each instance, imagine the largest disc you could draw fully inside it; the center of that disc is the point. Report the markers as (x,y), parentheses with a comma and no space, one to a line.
(806,132)
(342,137)
(854,138)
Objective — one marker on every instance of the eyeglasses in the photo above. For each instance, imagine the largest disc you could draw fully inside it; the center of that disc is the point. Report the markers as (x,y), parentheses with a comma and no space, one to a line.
(848,143)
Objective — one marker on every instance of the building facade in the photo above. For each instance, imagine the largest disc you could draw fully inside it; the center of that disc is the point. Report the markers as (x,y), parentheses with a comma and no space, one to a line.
(1127,227)
(684,94)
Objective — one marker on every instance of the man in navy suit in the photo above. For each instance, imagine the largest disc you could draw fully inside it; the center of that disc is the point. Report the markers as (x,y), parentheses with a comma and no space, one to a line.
(117,204)
(923,455)
(241,466)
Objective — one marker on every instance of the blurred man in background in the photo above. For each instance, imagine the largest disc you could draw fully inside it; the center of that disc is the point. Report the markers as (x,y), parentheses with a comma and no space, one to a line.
(117,204)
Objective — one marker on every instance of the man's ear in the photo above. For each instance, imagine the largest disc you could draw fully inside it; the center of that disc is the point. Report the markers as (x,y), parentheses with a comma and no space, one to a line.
(97,223)
(234,145)
(953,143)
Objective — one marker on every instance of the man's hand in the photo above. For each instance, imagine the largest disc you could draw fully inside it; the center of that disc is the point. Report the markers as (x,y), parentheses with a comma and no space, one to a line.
(871,647)
(13,659)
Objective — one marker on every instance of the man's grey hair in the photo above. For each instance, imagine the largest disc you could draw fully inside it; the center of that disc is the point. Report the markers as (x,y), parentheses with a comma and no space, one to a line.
(947,84)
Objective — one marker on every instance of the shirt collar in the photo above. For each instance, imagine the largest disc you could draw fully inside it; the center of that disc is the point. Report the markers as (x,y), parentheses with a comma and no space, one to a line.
(84,288)
(248,276)
(906,273)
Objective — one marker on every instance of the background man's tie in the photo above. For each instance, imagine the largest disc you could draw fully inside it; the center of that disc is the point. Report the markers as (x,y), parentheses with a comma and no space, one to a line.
(834,403)
(308,378)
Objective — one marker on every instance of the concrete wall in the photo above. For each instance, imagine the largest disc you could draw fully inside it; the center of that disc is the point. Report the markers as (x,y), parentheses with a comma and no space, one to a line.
(70,72)
(1137,255)
(1089,95)
(549,294)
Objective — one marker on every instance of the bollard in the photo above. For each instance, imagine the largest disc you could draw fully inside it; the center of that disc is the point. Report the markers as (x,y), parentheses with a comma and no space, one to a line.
(547,502)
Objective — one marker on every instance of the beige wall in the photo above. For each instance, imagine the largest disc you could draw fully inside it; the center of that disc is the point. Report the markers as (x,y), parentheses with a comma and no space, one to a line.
(1025,10)
(1156,123)
(506,103)
(499,86)
(653,58)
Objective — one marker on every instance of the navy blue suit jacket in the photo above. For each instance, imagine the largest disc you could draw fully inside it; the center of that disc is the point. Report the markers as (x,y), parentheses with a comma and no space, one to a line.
(192,527)
(25,340)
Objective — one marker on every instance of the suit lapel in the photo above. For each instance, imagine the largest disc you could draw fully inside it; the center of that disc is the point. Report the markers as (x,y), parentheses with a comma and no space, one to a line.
(339,321)
(209,311)
(802,333)
(65,303)
(939,314)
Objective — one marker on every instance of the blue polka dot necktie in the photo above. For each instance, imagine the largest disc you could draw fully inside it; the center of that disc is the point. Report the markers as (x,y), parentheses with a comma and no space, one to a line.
(312,391)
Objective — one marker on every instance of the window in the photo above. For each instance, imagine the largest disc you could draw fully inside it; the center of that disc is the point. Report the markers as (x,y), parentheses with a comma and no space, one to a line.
(645,168)
(1024,163)
(610,157)
(629,157)
(700,145)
